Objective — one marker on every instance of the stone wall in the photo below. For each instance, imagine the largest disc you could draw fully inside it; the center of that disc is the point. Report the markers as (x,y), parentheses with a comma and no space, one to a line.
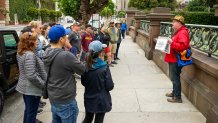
(199,81)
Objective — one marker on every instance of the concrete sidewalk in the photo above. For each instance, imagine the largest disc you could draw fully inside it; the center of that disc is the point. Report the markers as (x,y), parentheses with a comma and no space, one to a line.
(139,93)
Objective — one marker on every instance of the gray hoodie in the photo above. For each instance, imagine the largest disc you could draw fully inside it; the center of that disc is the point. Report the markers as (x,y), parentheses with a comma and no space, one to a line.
(61,82)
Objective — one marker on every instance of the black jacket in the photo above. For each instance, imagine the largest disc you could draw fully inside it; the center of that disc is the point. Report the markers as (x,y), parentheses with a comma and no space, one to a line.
(98,83)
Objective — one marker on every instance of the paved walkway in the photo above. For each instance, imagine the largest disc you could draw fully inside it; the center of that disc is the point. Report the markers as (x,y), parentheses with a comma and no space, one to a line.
(139,93)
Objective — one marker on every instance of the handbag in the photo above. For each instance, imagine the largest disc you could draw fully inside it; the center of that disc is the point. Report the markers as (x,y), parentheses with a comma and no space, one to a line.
(184,58)
(45,91)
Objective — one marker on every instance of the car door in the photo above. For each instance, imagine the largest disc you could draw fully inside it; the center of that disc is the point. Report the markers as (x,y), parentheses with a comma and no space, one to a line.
(10,66)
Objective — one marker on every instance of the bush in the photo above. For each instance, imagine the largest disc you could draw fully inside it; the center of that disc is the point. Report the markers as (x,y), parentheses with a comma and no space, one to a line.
(58,14)
(44,13)
(121,14)
(198,9)
(204,18)
(33,12)
(52,14)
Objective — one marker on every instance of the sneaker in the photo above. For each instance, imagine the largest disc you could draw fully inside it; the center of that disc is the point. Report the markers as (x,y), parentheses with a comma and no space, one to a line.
(38,121)
(113,62)
(174,100)
(169,94)
(39,111)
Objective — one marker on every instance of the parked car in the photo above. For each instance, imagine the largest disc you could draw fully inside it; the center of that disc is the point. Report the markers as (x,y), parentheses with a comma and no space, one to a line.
(9,72)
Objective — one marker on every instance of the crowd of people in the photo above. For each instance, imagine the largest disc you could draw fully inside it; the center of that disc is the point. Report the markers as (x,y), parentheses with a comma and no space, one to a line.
(50,56)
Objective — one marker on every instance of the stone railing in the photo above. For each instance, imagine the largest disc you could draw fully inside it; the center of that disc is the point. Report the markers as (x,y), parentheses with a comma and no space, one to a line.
(203,37)
(144,25)
(132,23)
(199,80)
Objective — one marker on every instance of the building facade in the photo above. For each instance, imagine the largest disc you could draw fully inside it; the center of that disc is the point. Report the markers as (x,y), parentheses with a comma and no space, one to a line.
(122,5)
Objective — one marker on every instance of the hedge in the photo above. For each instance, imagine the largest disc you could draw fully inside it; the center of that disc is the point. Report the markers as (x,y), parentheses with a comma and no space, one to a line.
(201,9)
(204,18)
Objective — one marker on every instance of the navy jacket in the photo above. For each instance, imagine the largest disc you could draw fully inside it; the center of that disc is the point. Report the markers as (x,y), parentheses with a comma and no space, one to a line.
(98,82)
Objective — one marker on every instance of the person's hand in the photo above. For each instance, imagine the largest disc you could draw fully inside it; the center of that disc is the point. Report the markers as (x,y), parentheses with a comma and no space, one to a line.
(170,41)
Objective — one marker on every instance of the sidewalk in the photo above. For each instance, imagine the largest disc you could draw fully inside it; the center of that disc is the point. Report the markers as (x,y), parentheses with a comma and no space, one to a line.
(139,93)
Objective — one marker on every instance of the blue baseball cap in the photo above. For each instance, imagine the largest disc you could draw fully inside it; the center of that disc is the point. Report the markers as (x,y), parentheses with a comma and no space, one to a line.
(96,46)
(56,32)
(68,31)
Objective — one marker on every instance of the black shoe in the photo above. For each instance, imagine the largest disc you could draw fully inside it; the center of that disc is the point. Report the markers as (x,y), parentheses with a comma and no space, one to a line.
(38,121)
(113,62)
(117,58)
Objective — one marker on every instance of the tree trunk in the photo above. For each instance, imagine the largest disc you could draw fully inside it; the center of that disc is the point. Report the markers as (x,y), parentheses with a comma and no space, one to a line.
(87,9)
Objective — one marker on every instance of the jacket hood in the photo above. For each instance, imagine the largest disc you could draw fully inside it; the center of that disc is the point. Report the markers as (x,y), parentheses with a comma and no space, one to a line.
(50,54)
(98,64)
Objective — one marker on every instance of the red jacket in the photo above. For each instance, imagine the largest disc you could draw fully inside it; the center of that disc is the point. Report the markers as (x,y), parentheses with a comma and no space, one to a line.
(180,42)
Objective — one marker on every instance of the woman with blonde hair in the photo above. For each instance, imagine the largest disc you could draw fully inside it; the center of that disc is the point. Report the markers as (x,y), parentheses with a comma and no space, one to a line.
(37,27)
(32,75)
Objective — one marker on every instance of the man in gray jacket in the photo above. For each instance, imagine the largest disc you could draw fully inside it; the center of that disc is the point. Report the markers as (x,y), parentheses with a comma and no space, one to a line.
(61,65)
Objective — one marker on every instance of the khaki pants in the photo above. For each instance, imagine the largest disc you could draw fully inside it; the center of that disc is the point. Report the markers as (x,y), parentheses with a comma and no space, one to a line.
(113,47)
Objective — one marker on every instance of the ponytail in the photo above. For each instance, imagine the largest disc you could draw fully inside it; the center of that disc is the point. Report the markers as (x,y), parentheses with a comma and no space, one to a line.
(91,58)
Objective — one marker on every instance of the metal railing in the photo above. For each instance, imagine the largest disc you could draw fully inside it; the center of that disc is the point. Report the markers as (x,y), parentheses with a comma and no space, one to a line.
(203,37)
(145,25)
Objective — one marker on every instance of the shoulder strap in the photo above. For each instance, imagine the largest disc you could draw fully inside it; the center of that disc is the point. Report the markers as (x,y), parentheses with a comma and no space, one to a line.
(49,69)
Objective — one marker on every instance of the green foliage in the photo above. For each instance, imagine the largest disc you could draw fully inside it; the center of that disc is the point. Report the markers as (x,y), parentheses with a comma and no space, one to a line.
(33,12)
(52,14)
(148,4)
(58,14)
(109,10)
(204,18)
(70,7)
(20,7)
(44,13)
(121,14)
(201,5)
(3,11)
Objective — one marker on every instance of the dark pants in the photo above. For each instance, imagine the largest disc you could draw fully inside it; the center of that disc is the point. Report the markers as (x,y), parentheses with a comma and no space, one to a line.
(31,107)
(174,73)
(117,50)
(99,117)
(123,33)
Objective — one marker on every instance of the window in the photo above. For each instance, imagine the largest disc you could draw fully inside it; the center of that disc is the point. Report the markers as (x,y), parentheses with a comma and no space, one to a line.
(10,42)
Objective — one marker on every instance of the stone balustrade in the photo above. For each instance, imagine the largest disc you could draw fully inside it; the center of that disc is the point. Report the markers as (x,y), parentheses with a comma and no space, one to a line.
(200,80)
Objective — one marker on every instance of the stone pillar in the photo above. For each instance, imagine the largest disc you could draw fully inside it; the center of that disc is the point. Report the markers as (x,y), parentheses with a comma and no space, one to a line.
(216,9)
(130,17)
(137,25)
(156,16)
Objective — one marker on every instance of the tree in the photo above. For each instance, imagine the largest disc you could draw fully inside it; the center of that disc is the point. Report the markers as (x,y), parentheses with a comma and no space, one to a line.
(44,13)
(108,10)
(121,14)
(148,4)
(82,9)
(33,12)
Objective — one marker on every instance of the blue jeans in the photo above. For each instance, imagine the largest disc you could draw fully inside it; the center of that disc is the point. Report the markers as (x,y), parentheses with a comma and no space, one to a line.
(31,107)
(174,73)
(66,113)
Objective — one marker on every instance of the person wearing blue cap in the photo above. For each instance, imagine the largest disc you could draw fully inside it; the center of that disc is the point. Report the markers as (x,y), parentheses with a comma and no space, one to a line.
(97,82)
(61,84)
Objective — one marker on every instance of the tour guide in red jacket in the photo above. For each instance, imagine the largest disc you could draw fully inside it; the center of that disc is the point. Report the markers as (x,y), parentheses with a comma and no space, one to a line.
(179,42)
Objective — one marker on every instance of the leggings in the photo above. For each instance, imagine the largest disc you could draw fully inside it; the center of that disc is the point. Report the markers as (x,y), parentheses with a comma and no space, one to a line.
(99,117)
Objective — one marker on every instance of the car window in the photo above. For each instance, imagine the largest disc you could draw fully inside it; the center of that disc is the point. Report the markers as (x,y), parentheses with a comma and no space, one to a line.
(10,40)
